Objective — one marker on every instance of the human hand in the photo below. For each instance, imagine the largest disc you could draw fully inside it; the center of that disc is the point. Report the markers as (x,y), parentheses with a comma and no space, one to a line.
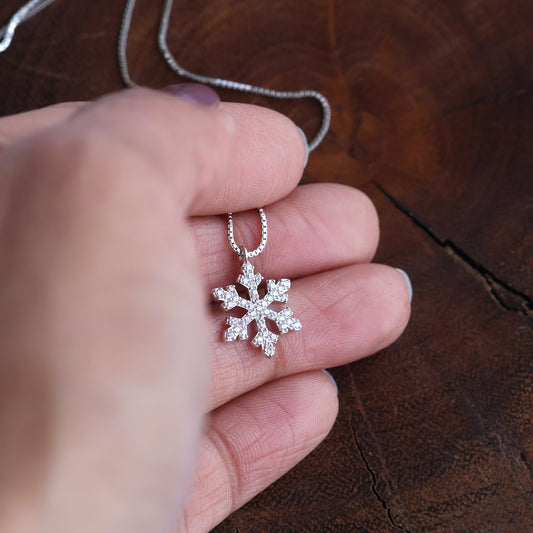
(111,354)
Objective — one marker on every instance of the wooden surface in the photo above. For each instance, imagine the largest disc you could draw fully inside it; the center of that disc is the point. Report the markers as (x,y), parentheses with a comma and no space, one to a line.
(433,118)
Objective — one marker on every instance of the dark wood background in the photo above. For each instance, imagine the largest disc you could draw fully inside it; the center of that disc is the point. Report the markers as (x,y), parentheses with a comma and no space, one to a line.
(433,118)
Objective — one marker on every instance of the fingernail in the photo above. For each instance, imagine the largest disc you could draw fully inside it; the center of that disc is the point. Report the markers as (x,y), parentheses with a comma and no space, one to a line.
(306,146)
(332,379)
(407,282)
(194,92)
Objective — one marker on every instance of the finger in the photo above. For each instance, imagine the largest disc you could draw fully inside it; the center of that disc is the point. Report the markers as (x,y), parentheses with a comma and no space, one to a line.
(345,314)
(229,157)
(14,127)
(254,440)
(317,227)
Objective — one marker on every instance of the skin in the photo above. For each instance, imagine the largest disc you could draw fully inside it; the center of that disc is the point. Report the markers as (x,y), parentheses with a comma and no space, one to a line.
(121,407)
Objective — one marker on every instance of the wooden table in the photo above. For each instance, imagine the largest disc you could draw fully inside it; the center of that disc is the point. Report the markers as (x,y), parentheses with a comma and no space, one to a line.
(433,118)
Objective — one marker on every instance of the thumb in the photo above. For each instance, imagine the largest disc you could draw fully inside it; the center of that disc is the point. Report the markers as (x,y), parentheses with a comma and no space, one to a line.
(226,157)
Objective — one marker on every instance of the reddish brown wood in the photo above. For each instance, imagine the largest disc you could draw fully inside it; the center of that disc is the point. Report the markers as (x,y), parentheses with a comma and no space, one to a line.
(433,118)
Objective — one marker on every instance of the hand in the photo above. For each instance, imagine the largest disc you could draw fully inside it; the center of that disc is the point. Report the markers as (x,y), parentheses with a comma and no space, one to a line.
(111,240)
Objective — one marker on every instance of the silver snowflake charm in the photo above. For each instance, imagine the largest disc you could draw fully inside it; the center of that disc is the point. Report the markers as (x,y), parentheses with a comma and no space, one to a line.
(257,309)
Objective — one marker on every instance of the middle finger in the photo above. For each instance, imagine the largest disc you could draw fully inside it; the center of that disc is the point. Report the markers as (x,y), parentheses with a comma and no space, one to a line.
(317,227)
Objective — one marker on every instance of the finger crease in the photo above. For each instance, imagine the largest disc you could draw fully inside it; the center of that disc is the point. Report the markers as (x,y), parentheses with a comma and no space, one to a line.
(229,460)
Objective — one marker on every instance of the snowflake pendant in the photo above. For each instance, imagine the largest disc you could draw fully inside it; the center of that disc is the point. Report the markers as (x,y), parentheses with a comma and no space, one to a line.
(257,309)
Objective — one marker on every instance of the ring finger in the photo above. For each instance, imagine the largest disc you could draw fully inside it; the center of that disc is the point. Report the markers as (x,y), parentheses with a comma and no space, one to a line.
(346,314)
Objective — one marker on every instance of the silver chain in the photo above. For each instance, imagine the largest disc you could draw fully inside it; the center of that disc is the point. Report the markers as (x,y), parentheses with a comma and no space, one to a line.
(27,11)
(207,80)
(241,250)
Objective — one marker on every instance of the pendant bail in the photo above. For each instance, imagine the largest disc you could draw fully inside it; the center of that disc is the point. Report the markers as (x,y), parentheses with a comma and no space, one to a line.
(244,254)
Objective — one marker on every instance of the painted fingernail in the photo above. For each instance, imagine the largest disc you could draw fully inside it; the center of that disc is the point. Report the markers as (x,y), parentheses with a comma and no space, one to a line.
(332,379)
(306,146)
(407,282)
(194,92)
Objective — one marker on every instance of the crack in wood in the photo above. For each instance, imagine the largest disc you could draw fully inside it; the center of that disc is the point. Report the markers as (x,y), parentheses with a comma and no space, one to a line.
(374,481)
(492,98)
(507,297)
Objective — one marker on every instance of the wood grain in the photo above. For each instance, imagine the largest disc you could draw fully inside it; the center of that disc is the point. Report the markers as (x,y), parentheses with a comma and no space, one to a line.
(433,118)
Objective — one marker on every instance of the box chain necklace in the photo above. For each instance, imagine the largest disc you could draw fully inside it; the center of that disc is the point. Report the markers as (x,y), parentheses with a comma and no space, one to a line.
(256,309)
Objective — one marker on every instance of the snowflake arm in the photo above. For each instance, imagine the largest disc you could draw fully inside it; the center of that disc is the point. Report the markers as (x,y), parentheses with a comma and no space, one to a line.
(277,292)
(238,328)
(229,297)
(248,278)
(265,339)
(286,322)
